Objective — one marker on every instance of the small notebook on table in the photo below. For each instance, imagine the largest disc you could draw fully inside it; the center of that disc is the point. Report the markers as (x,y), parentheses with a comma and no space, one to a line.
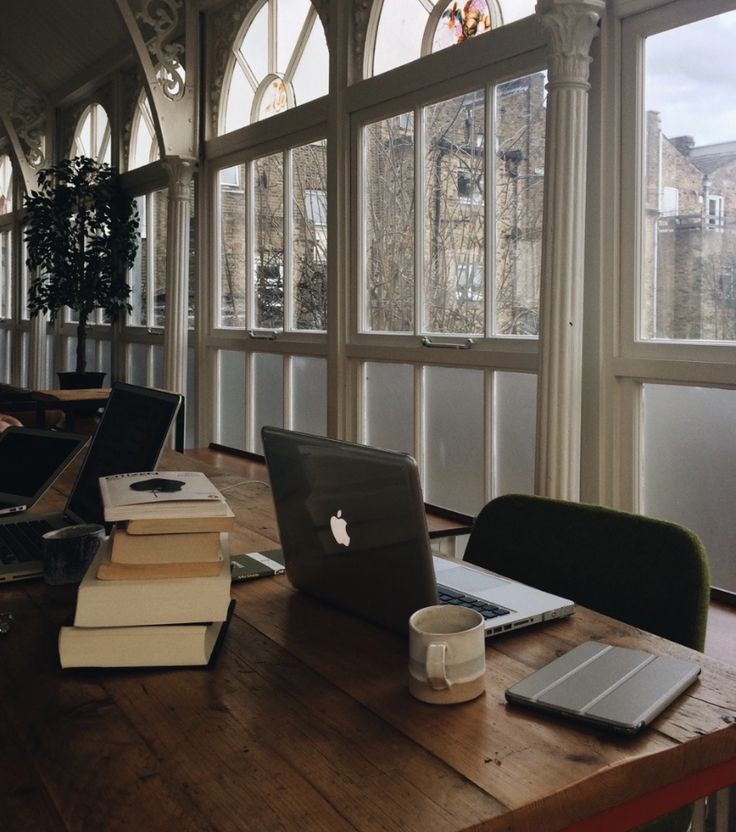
(611,687)
(253,565)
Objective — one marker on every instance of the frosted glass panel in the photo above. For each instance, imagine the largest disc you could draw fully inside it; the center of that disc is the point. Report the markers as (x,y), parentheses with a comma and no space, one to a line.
(268,403)
(389,406)
(309,394)
(158,366)
(689,467)
(190,413)
(453,407)
(515,428)
(137,364)
(231,404)
(4,356)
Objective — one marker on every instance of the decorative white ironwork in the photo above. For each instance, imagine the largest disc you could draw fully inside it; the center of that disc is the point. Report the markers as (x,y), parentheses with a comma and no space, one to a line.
(164,17)
(25,112)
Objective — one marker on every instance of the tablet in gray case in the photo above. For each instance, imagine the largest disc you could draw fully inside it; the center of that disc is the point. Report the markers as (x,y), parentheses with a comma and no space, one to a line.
(611,687)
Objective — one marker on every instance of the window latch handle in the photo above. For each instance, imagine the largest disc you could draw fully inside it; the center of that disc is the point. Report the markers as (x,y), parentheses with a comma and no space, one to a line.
(447,345)
(263,335)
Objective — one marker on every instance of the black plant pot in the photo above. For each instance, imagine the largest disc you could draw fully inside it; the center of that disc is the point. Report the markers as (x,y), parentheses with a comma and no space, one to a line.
(80,381)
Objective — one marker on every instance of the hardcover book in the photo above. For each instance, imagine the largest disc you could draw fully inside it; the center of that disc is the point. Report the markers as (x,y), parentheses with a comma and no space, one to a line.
(160,494)
(128,603)
(166,645)
(196,547)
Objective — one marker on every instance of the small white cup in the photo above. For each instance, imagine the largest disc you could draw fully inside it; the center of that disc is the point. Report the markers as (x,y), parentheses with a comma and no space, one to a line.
(447,654)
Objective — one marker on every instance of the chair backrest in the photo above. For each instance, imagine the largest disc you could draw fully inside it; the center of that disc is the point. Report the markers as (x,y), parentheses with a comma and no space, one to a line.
(646,572)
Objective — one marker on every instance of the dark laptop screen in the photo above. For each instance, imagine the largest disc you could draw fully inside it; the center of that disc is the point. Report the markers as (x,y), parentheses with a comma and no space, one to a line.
(30,458)
(129,438)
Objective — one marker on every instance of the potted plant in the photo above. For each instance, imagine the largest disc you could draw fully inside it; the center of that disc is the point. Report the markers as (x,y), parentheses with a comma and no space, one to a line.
(82,236)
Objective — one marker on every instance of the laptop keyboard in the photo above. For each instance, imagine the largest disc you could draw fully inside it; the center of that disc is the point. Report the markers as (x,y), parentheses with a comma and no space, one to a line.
(21,542)
(487,610)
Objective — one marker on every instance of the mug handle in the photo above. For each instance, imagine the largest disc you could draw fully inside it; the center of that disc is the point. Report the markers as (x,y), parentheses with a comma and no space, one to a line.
(435,666)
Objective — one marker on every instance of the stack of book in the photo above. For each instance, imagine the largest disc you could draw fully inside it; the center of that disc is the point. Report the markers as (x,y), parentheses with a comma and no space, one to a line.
(158,591)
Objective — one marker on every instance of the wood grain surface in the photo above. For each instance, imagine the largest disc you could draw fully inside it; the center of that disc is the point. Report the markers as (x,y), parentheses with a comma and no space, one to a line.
(305,723)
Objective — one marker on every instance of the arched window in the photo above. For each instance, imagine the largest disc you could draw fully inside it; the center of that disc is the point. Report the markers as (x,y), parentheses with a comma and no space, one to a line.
(92,137)
(6,185)
(407,29)
(143,143)
(280,60)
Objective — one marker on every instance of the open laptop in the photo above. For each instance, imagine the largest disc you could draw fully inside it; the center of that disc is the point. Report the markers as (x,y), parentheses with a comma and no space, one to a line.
(129,437)
(30,460)
(353,531)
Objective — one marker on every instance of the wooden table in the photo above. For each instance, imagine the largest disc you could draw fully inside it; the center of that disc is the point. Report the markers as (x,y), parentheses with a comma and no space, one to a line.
(305,723)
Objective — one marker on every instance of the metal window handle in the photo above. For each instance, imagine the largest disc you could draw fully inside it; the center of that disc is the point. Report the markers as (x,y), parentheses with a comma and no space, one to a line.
(269,335)
(466,345)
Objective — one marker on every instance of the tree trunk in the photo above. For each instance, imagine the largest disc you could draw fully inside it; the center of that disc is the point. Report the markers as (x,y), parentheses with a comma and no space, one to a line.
(82,343)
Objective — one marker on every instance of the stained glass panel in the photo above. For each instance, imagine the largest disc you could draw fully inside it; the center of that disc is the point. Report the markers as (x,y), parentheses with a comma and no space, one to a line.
(460,22)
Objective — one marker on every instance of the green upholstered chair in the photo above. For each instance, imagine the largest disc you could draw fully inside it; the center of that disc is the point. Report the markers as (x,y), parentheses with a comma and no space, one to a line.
(643,571)
(646,572)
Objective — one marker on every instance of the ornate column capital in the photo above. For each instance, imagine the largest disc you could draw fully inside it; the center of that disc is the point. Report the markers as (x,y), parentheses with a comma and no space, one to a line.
(180,171)
(571,26)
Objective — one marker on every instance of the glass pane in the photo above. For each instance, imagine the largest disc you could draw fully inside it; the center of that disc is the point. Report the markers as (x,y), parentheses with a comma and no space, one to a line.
(688,288)
(144,149)
(6,185)
(138,275)
(138,364)
(190,413)
(158,365)
(255,44)
(688,467)
(290,20)
(268,395)
(399,36)
(388,419)
(309,394)
(460,22)
(454,437)
(232,251)
(239,101)
(157,286)
(309,244)
(520,130)
(6,307)
(516,9)
(454,229)
(231,404)
(311,76)
(515,428)
(273,98)
(388,225)
(5,356)
(269,238)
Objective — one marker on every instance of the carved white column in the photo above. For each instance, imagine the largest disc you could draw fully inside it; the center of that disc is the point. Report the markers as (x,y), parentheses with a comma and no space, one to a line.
(571,26)
(180,172)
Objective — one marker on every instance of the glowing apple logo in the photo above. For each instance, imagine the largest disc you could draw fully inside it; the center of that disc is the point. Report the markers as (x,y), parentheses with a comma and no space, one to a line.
(339,529)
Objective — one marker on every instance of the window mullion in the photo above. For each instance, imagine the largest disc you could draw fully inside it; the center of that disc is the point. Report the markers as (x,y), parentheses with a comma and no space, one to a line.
(419,207)
(288,283)
(250,226)
(489,197)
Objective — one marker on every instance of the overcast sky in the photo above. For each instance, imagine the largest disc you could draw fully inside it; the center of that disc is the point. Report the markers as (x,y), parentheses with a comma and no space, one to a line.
(691,79)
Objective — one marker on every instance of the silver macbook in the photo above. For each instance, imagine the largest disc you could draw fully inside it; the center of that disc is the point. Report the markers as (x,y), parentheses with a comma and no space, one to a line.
(130,436)
(611,687)
(353,531)
(30,460)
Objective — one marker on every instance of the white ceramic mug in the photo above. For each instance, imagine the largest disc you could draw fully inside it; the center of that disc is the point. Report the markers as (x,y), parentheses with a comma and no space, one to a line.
(447,654)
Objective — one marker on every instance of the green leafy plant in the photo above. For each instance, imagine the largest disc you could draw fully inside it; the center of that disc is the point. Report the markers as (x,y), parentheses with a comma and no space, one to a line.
(82,236)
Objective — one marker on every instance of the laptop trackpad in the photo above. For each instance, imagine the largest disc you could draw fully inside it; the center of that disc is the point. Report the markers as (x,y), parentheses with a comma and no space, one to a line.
(469,580)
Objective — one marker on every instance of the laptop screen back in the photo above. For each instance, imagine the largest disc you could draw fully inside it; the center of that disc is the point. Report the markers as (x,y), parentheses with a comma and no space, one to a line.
(129,438)
(352,525)
(30,460)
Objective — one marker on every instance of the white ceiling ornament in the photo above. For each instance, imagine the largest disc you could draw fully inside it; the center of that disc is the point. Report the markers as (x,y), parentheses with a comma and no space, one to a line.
(164,18)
